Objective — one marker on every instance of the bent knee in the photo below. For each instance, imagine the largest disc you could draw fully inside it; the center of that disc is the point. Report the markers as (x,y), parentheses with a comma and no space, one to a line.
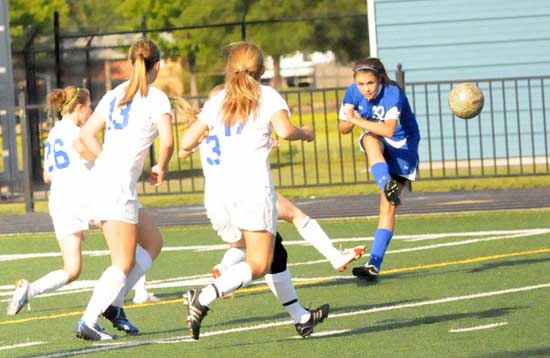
(259,268)
(72,273)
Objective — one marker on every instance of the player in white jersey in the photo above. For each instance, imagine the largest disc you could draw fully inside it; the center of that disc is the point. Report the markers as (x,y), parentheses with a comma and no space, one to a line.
(308,228)
(239,120)
(390,141)
(133,115)
(67,173)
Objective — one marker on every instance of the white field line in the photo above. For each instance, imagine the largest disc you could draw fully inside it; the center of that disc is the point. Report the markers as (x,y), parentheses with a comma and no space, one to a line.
(218,247)
(181,339)
(325,333)
(201,280)
(21,345)
(478,328)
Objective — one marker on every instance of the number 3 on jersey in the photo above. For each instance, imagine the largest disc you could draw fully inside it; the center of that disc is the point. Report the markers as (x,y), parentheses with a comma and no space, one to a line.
(214,143)
(60,157)
(118,119)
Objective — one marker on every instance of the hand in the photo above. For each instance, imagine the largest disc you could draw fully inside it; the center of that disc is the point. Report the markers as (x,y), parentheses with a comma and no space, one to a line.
(354,117)
(309,133)
(157,176)
(203,136)
(349,110)
(274,143)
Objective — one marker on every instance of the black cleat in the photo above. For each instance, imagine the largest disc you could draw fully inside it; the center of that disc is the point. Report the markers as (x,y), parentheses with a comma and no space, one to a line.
(118,318)
(392,192)
(367,272)
(195,311)
(317,316)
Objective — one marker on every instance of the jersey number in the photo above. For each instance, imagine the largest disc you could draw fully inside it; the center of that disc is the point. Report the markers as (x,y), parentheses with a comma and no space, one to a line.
(60,157)
(214,142)
(119,119)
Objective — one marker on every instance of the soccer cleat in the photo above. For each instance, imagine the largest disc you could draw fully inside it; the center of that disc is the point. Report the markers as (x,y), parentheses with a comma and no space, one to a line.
(92,333)
(367,272)
(392,192)
(195,311)
(346,256)
(118,318)
(20,297)
(316,316)
(99,328)
(147,297)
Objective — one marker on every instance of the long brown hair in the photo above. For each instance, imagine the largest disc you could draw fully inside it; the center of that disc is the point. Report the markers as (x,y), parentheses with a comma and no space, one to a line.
(245,65)
(374,65)
(62,101)
(143,55)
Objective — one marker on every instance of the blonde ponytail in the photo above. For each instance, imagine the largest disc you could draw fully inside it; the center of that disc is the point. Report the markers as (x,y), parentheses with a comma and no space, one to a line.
(243,91)
(143,56)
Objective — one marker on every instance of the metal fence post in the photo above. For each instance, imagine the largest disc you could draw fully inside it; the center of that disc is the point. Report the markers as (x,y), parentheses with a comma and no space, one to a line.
(27,162)
(400,77)
(32,96)
(57,44)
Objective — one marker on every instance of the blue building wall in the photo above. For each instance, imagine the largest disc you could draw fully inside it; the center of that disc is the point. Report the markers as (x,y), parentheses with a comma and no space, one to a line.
(455,40)
(463,39)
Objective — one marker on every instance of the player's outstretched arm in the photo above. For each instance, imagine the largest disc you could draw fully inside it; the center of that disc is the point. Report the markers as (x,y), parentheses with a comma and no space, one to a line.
(285,129)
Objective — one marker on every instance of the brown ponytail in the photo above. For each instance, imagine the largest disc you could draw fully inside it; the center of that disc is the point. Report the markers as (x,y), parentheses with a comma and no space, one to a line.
(64,101)
(245,65)
(143,55)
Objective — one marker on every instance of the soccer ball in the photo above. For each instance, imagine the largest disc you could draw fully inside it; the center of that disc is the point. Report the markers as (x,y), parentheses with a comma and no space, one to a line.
(466,100)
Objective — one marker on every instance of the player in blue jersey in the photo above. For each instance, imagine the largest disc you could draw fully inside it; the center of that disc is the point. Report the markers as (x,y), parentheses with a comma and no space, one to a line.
(390,141)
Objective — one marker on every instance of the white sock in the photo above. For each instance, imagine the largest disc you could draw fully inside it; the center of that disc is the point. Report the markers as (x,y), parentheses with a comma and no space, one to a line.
(139,287)
(316,236)
(143,263)
(282,287)
(48,283)
(235,277)
(232,257)
(109,285)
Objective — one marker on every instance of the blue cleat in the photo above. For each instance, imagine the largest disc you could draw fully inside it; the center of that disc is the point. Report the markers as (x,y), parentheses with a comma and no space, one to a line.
(118,318)
(88,333)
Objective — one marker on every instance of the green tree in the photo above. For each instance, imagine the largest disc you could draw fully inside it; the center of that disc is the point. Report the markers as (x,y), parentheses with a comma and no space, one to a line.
(36,13)
(197,50)
(347,37)
(280,38)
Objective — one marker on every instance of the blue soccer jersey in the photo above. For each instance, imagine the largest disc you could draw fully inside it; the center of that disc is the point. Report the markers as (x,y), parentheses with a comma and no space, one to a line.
(390,103)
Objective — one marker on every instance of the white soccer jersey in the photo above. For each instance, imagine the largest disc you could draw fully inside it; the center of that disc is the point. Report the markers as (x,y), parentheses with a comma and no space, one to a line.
(129,131)
(69,174)
(242,152)
(213,191)
(236,161)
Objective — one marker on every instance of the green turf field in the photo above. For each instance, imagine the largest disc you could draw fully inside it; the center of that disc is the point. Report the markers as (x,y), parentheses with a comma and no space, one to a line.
(454,285)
